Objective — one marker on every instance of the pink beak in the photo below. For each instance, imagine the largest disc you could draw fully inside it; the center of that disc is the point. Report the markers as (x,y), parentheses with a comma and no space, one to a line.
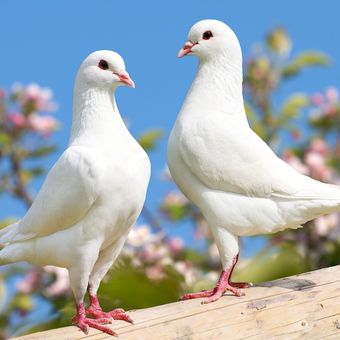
(125,78)
(185,49)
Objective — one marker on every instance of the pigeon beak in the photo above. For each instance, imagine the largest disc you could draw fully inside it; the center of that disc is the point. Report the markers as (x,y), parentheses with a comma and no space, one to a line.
(124,77)
(185,49)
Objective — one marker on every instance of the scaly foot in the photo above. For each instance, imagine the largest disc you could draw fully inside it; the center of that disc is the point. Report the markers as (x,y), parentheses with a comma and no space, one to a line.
(224,284)
(96,311)
(84,323)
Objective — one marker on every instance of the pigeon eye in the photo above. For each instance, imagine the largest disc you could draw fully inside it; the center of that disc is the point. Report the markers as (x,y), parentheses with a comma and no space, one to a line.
(207,35)
(103,64)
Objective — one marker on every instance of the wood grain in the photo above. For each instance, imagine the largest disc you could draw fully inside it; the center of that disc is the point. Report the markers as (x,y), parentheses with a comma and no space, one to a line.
(305,306)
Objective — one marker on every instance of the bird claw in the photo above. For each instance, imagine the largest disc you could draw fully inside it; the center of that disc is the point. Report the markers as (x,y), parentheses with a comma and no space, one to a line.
(85,324)
(116,314)
(214,294)
(119,314)
(203,293)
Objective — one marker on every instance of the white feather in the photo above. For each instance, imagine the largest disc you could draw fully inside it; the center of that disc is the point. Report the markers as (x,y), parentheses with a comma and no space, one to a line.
(219,163)
(93,194)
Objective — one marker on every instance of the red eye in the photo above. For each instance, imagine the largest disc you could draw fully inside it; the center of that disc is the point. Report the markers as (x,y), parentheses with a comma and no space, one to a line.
(207,35)
(103,64)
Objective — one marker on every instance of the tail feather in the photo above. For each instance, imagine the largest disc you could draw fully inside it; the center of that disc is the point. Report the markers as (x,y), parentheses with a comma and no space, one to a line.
(8,233)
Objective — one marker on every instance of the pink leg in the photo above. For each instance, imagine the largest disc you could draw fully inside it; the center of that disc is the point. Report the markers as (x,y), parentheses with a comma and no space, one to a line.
(85,323)
(224,283)
(96,311)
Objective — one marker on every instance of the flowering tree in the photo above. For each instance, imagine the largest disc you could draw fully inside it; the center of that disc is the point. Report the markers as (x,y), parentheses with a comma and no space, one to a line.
(155,268)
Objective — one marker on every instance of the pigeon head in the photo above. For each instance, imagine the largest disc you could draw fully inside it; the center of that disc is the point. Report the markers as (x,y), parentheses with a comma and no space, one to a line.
(208,39)
(104,69)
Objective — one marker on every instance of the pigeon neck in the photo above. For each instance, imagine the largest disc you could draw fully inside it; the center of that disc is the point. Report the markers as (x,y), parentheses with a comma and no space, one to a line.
(94,109)
(218,83)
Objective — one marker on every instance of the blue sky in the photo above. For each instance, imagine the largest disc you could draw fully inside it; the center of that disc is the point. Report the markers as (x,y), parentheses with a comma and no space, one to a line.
(45,41)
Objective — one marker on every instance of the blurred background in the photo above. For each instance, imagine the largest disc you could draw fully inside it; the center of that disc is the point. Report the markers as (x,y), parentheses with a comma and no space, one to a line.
(291,56)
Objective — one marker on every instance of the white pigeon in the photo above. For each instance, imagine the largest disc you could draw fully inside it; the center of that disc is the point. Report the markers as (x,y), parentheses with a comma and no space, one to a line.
(220,164)
(91,197)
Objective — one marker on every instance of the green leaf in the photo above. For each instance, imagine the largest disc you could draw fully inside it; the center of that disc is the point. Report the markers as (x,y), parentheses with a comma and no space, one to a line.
(41,152)
(249,110)
(259,129)
(281,261)
(125,285)
(176,212)
(294,104)
(278,41)
(305,59)
(149,139)
(22,302)
(4,139)
(29,174)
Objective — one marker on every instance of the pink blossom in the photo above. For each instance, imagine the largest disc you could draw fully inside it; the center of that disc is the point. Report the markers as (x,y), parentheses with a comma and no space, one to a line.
(186,269)
(317,99)
(327,105)
(320,146)
(61,283)
(175,198)
(153,252)
(326,223)
(139,235)
(317,166)
(314,159)
(17,119)
(29,282)
(176,245)
(330,110)
(42,124)
(332,94)
(2,93)
(295,162)
(155,272)
(40,97)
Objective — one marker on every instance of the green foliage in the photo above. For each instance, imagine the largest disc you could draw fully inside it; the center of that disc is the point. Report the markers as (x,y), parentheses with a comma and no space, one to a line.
(306,59)
(293,105)
(41,152)
(276,262)
(141,292)
(149,139)
(278,41)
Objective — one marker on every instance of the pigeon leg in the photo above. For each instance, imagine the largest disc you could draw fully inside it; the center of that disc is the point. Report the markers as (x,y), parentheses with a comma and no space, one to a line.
(105,260)
(237,284)
(96,311)
(224,284)
(79,278)
(84,323)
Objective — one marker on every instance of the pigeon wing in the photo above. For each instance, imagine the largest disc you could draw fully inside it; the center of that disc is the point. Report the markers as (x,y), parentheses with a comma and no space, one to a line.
(232,158)
(68,193)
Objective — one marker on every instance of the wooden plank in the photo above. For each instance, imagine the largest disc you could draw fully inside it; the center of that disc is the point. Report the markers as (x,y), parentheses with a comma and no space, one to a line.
(305,306)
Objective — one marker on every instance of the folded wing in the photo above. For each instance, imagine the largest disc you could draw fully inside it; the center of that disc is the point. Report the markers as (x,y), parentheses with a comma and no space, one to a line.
(68,193)
(237,160)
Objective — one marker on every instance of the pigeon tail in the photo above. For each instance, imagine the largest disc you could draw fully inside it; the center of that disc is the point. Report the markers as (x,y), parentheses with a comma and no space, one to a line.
(15,252)
(7,234)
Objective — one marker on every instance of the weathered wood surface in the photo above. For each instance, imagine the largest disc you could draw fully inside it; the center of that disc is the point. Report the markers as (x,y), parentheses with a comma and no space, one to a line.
(305,306)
